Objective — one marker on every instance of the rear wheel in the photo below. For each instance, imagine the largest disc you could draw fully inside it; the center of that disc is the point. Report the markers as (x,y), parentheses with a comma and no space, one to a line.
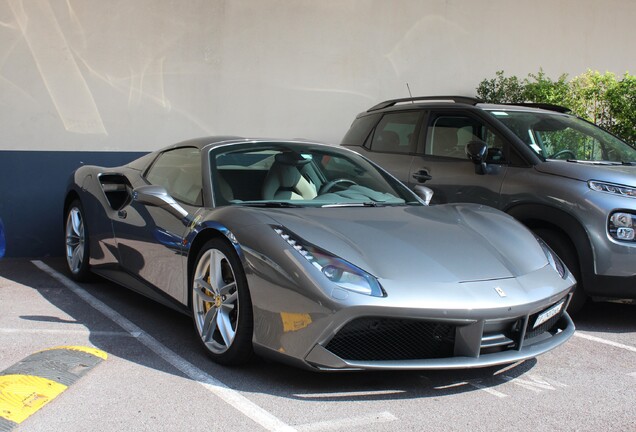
(221,304)
(76,236)
(564,248)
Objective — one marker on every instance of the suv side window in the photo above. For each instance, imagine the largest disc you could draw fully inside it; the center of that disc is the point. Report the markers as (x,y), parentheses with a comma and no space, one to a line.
(396,133)
(360,129)
(448,134)
(179,171)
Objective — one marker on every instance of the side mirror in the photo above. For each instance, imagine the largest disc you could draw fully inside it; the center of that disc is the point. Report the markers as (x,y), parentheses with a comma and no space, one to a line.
(158,196)
(477,151)
(424,193)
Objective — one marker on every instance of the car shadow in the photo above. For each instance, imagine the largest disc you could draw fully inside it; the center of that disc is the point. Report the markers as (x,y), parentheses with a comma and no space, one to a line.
(175,331)
(381,385)
(609,317)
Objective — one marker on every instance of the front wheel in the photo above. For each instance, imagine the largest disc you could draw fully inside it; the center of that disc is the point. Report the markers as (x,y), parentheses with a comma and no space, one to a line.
(76,236)
(221,304)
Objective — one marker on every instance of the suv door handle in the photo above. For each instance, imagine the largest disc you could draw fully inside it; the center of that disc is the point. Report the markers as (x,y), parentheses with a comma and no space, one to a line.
(422,175)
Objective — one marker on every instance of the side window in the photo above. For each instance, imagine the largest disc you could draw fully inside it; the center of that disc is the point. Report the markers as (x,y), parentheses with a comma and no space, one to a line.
(395,133)
(360,129)
(447,136)
(179,171)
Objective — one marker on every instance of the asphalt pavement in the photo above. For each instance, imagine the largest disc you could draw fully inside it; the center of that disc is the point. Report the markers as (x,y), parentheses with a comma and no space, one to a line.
(155,377)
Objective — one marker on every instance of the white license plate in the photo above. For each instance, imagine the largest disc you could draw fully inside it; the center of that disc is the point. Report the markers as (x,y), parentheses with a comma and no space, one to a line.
(544,316)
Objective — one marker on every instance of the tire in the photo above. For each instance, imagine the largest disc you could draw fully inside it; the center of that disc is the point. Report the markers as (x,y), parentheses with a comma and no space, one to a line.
(221,305)
(562,246)
(76,242)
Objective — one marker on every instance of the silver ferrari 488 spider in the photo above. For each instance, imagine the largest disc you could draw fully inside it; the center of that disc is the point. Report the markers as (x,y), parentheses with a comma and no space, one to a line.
(313,255)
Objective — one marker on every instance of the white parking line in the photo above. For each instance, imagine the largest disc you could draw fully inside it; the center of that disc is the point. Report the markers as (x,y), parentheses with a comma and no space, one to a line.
(473,383)
(536,383)
(232,397)
(85,332)
(351,422)
(348,394)
(487,389)
(604,341)
(633,374)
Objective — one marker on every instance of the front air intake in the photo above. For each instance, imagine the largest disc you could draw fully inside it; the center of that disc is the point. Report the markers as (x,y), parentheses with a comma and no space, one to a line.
(385,339)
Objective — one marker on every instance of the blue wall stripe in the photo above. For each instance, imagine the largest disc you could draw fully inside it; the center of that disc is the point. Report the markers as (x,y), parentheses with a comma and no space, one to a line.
(32,186)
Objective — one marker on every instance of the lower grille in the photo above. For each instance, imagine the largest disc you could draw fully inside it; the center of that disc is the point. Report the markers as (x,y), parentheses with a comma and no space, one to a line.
(377,339)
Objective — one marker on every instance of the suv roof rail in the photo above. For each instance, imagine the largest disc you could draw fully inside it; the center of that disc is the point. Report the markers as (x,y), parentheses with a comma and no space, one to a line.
(545,106)
(456,99)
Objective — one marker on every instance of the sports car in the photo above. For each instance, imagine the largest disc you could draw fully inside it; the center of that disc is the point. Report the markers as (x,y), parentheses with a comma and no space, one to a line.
(313,255)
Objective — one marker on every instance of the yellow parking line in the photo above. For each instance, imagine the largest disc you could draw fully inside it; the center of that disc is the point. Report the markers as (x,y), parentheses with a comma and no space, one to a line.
(39,378)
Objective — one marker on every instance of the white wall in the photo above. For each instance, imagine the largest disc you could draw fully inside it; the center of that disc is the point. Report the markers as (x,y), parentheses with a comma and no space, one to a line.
(140,74)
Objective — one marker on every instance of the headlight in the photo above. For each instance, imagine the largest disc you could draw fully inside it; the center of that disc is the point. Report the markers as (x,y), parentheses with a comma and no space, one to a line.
(611,188)
(340,272)
(553,259)
(621,226)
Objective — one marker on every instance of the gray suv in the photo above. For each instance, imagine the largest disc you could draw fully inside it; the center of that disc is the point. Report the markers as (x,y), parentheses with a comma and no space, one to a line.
(566,179)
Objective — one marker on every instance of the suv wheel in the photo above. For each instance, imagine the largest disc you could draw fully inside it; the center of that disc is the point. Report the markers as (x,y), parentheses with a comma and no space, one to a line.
(564,248)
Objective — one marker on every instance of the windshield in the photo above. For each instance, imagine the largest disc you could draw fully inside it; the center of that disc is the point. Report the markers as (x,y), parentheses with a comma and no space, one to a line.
(290,175)
(562,136)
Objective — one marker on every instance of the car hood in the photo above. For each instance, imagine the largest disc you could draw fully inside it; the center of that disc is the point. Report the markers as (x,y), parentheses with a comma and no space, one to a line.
(584,171)
(445,243)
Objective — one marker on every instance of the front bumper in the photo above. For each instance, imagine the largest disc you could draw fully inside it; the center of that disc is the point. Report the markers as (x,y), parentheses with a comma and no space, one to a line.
(375,343)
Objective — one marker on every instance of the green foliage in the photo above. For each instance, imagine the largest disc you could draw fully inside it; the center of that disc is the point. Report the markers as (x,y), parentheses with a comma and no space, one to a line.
(590,99)
(622,105)
(604,99)
(540,88)
(501,89)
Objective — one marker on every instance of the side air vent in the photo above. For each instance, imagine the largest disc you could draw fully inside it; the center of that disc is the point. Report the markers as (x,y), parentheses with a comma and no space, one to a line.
(117,189)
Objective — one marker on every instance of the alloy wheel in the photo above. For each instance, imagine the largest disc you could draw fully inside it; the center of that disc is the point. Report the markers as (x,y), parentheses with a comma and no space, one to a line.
(215,301)
(75,240)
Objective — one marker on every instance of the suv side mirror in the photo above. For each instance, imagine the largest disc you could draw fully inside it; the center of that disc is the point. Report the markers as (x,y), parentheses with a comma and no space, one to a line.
(158,196)
(477,151)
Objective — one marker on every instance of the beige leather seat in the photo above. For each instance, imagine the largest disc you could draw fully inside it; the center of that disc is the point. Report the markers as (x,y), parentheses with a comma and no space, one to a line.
(225,188)
(187,185)
(284,181)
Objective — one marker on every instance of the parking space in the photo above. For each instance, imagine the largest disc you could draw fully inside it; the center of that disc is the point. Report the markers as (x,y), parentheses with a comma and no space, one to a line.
(157,378)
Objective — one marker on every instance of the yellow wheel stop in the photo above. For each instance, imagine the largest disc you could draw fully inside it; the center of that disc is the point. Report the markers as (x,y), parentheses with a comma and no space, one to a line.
(39,378)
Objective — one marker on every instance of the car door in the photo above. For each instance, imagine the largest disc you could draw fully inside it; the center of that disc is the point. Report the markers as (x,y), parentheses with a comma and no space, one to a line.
(149,238)
(442,157)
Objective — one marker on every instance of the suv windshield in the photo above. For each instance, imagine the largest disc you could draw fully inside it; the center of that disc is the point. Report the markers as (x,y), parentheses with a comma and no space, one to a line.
(288,175)
(562,136)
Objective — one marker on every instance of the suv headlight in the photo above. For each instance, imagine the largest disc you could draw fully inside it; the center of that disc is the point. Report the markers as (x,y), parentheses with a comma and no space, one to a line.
(553,259)
(611,188)
(340,272)
(621,226)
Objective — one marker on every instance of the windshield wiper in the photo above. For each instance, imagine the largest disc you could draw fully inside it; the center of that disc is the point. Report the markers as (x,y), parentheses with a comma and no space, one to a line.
(586,162)
(271,204)
(356,204)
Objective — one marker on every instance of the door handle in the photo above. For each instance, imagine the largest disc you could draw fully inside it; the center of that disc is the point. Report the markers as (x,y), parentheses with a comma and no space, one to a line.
(422,175)
(122,214)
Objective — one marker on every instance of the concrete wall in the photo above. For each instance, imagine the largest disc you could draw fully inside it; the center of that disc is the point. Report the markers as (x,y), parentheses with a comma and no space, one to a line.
(118,76)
